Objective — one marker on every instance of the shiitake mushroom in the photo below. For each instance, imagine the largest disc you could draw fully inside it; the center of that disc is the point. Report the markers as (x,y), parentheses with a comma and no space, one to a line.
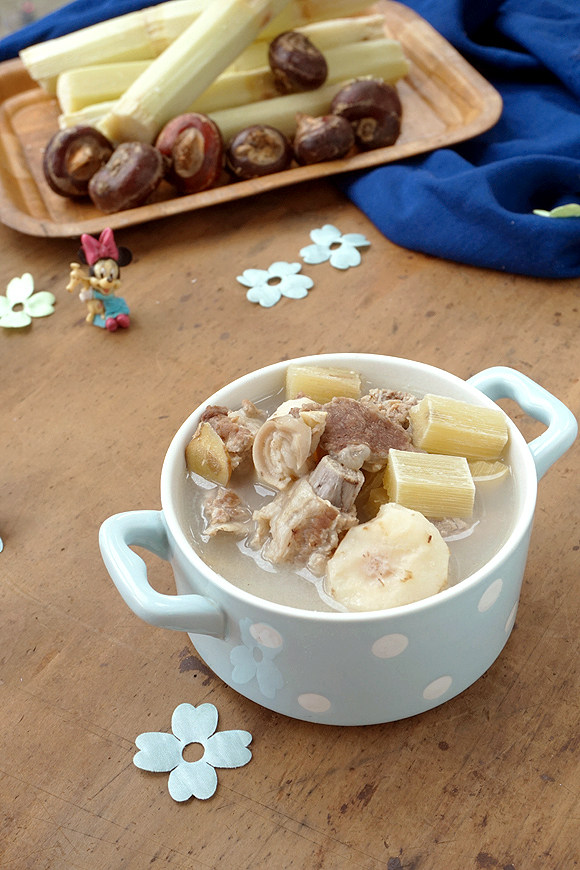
(296,63)
(258,150)
(71,158)
(373,108)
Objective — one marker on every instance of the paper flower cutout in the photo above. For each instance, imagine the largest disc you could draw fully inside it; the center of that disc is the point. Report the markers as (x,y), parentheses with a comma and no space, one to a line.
(330,244)
(571,209)
(20,295)
(267,286)
(255,659)
(161,753)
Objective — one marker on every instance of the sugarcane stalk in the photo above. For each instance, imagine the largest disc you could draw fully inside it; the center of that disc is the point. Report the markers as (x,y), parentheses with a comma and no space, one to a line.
(326,34)
(184,70)
(141,35)
(146,33)
(89,85)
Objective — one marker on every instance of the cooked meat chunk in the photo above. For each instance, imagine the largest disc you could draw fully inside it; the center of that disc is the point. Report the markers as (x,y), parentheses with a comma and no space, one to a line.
(224,511)
(300,527)
(394,404)
(283,447)
(337,481)
(350,422)
(237,429)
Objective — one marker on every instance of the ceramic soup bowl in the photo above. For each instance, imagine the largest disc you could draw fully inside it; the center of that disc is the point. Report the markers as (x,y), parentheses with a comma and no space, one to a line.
(335,667)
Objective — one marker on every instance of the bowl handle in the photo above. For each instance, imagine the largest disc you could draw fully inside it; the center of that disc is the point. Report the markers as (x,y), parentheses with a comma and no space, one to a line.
(191,613)
(501,382)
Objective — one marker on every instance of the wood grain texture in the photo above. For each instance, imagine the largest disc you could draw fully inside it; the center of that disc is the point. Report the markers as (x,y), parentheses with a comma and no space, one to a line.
(489,780)
(444,101)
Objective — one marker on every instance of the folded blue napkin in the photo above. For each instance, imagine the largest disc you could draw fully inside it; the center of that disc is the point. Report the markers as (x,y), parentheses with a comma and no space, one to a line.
(472,203)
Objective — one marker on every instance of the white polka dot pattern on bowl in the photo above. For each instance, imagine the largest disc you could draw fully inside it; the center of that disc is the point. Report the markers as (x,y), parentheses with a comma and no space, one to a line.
(437,688)
(511,619)
(314,703)
(266,635)
(490,595)
(390,645)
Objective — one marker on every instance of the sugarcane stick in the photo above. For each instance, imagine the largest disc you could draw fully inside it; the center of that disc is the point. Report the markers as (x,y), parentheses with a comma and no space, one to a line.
(187,68)
(88,85)
(145,34)
(95,83)
(141,35)
(279,112)
(326,34)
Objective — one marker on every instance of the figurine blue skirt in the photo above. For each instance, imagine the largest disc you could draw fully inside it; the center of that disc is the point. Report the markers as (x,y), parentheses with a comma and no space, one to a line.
(116,309)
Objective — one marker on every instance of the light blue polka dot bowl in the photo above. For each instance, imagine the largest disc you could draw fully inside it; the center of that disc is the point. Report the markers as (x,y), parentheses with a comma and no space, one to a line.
(344,668)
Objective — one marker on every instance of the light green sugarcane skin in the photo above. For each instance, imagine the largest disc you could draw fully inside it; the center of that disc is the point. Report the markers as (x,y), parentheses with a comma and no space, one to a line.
(326,34)
(187,68)
(141,35)
(382,58)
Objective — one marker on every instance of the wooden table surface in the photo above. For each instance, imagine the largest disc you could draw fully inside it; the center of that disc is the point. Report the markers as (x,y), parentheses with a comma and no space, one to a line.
(488,780)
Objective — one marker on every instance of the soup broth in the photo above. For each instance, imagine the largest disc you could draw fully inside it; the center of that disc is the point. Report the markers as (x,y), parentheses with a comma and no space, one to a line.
(471,545)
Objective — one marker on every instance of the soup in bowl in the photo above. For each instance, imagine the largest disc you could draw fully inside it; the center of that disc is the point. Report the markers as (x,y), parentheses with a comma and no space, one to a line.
(275,609)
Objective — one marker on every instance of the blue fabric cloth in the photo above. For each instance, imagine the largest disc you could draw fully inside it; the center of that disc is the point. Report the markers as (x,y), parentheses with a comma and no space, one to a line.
(471,203)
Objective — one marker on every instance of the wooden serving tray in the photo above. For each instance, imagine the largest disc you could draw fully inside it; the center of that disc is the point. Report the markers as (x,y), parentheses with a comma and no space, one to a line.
(444,99)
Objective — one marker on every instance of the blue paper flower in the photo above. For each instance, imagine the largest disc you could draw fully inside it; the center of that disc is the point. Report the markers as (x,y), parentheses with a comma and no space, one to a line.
(21,303)
(161,752)
(330,244)
(261,644)
(267,286)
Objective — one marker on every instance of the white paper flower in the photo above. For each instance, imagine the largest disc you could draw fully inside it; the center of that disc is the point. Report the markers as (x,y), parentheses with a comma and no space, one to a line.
(21,303)
(330,244)
(267,286)
(161,752)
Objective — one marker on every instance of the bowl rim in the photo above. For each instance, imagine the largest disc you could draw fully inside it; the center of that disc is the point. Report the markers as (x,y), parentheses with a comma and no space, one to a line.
(174,457)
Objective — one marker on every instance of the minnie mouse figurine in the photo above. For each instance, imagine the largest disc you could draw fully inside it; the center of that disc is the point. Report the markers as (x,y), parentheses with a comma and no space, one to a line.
(98,288)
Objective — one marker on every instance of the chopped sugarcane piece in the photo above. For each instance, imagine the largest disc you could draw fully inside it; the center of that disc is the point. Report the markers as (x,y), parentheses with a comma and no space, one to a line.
(436,485)
(485,470)
(444,425)
(321,384)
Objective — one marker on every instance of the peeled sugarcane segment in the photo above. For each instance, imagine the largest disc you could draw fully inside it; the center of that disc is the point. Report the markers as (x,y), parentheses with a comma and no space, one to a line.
(140,35)
(82,87)
(487,470)
(435,485)
(321,384)
(146,33)
(443,425)
(323,34)
(297,13)
(90,115)
(87,85)
(183,71)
